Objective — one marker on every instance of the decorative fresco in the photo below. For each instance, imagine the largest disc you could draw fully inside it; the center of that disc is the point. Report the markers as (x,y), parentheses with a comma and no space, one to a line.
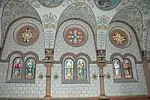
(106,4)
(75,36)
(143,5)
(103,22)
(68,2)
(49,21)
(119,37)
(103,26)
(26,35)
(49,25)
(34,3)
(51,3)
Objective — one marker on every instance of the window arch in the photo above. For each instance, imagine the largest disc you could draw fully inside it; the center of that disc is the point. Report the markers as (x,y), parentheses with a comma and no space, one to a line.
(75,70)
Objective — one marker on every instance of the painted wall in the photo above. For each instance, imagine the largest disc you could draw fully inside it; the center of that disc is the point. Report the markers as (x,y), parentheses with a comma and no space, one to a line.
(37,89)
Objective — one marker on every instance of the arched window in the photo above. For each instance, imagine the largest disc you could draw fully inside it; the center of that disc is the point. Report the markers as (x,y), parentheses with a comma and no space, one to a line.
(124,68)
(127,68)
(69,69)
(30,68)
(75,70)
(21,69)
(117,68)
(82,69)
(17,68)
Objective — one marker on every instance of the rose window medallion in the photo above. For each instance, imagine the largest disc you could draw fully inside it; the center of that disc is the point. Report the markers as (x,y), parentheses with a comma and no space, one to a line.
(75,36)
(26,34)
(119,37)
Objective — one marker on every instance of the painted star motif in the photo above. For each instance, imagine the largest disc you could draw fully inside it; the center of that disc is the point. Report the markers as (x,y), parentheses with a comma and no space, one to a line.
(118,38)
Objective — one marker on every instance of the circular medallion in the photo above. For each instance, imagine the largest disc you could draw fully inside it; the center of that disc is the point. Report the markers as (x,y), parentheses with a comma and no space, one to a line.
(75,35)
(51,3)
(26,34)
(119,37)
(106,4)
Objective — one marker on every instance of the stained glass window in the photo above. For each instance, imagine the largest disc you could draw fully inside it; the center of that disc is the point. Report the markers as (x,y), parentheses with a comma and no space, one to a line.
(69,69)
(81,66)
(30,68)
(117,68)
(17,68)
(23,69)
(127,69)
(75,70)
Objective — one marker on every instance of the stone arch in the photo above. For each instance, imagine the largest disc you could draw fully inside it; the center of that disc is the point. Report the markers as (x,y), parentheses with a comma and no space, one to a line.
(79,11)
(131,16)
(13,11)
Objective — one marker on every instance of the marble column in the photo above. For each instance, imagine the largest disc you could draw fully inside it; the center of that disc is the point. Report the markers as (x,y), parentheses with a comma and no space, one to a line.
(48,64)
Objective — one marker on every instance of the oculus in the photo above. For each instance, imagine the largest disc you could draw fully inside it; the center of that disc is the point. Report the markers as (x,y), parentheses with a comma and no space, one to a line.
(119,37)
(75,35)
(51,3)
(26,34)
(106,4)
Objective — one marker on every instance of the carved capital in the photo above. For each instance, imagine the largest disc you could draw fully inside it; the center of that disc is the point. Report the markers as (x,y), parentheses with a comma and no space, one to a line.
(101,53)
(49,56)
(101,62)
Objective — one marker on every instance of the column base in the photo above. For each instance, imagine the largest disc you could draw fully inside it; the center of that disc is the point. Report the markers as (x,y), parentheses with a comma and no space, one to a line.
(103,97)
(47,97)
